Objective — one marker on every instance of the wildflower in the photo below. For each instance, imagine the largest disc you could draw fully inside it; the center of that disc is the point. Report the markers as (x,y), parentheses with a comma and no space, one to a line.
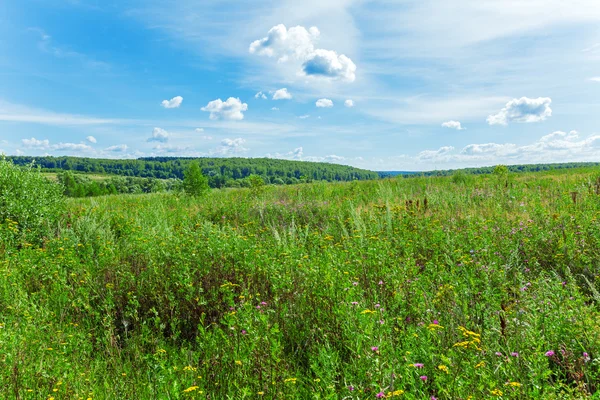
(244,332)
(260,393)
(443,368)
(380,395)
(238,362)
(435,322)
(355,283)
(375,348)
(514,354)
(498,354)
(190,389)
(513,384)
(377,305)
(381,282)
(549,353)
(396,393)
(381,321)
(354,303)
(481,364)
(263,303)
(418,365)
(351,388)
(290,380)
(586,357)
(496,392)
(423,378)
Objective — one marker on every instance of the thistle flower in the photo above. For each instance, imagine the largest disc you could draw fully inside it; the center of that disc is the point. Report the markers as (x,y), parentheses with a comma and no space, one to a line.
(423,378)
(549,353)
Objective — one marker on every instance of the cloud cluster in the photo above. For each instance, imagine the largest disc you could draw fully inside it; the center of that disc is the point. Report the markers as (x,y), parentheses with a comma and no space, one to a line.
(91,139)
(453,125)
(230,146)
(36,144)
(119,148)
(298,44)
(349,103)
(324,103)
(522,110)
(175,102)
(260,95)
(159,135)
(232,109)
(282,94)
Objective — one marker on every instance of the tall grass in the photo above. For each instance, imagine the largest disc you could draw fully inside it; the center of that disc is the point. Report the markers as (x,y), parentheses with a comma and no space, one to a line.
(352,290)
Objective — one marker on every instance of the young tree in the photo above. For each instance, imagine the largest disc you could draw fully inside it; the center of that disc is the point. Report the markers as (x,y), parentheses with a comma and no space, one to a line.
(194,183)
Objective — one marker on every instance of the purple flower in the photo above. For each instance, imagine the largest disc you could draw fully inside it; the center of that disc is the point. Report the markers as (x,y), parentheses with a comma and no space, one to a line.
(375,348)
(418,365)
(423,378)
(380,395)
(435,322)
(354,303)
(381,282)
(263,303)
(498,354)
(244,332)
(514,354)
(351,388)
(549,353)
(586,357)
(381,322)
(433,398)
(377,305)
(355,283)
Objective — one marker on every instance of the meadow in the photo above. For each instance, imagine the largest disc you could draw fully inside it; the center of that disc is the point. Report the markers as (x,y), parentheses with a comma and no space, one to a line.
(460,287)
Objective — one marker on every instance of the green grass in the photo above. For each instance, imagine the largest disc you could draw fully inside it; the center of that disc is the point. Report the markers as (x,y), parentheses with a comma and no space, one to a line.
(317,291)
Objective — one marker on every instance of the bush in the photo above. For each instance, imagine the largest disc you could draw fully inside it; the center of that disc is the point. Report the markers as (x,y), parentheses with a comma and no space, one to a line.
(30,204)
(194,183)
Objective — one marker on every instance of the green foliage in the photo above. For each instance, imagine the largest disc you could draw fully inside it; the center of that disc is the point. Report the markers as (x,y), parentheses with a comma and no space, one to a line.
(257,184)
(220,171)
(318,291)
(30,205)
(194,183)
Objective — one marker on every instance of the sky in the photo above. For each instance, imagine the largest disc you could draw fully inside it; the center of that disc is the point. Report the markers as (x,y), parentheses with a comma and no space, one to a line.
(407,85)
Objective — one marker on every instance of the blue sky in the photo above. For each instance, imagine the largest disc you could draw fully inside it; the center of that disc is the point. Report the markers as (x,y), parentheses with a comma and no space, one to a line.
(381,84)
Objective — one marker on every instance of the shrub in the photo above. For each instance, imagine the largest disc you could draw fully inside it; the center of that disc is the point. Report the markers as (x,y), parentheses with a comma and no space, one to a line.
(194,183)
(30,204)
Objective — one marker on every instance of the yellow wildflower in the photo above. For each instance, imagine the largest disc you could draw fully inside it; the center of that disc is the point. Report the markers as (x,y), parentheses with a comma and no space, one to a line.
(290,380)
(190,389)
(496,392)
(481,364)
(443,368)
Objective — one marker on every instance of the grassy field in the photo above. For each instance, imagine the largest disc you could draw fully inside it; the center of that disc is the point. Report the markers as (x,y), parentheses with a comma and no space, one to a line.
(425,288)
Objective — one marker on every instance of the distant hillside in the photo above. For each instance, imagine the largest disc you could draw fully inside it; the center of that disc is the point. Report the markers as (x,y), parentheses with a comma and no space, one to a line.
(488,170)
(221,172)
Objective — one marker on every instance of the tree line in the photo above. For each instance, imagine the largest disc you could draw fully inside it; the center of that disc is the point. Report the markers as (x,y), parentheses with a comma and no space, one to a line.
(221,172)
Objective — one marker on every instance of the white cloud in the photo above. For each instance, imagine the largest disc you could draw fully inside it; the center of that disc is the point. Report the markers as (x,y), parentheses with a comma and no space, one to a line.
(159,135)
(72,147)
(230,146)
(206,137)
(260,95)
(453,125)
(522,110)
(33,143)
(433,154)
(349,103)
(160,148)
(559,135)
(232,109)
(274,109)
(304,116)
(175,102)
(199,130)
(327,63)
(324,103)
(595,79)
(282,94)
(91,139)
(117,148)
(298,44)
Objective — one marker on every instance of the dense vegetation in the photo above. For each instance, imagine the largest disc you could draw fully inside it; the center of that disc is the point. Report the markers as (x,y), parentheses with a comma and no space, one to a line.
(449,288)
(221,172)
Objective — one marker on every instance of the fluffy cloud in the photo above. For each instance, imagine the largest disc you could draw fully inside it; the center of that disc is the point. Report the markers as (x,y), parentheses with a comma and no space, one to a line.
(324,103)
(274,109)
(522,110)
(206,137)
(282,94)
(232,109)
(72,147)
(175,102)
(117,148)
(260,95)
(298,44)
(91,139)
(595,79)
(230,146)
(304,116)
(199,130)
(327,63)
(349,103)
(453,125)
(434,154)
(33,143)
(159,135)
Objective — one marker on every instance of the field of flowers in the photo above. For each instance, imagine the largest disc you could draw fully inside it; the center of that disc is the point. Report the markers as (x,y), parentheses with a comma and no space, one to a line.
(425,288)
